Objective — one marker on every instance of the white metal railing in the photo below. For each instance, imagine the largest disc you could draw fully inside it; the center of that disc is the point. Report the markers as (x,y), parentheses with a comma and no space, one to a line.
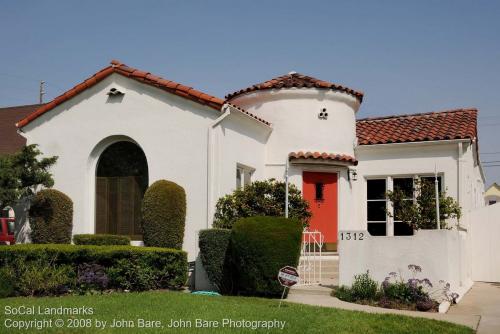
(310,264)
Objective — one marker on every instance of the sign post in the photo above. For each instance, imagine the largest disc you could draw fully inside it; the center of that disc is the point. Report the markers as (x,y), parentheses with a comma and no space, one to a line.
(288,277)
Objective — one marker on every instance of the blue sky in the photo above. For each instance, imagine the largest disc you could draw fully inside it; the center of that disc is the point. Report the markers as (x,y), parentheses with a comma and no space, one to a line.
(408,57)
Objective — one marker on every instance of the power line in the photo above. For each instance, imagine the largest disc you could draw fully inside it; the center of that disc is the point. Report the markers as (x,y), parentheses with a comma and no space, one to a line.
(487,166)
(490,162)
(489,153)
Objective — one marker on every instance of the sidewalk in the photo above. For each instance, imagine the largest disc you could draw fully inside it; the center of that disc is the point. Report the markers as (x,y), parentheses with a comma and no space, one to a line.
(483,300)
(319,296)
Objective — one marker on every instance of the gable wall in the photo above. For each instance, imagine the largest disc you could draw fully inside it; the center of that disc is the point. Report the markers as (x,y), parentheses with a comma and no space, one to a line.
(172,132)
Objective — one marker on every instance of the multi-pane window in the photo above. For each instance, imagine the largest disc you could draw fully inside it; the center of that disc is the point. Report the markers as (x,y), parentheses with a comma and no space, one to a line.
(406,186)
(243,176)
(377,202)
(432,180)
(378,215)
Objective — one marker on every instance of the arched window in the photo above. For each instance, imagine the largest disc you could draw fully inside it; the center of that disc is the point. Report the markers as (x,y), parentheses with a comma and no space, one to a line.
(121,180)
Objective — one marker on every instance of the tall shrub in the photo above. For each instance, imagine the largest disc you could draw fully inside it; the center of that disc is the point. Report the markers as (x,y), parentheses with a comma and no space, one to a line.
(261,198)
(261,247)
(51,217)
(164,215)
(215,256)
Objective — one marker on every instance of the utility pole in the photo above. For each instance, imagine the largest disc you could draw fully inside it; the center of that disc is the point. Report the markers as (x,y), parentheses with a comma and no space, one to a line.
(42,91)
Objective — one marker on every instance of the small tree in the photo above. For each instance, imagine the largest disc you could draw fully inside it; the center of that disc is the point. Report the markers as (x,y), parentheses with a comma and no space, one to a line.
(23,173)
(421,213)
(9,182)
(261,198)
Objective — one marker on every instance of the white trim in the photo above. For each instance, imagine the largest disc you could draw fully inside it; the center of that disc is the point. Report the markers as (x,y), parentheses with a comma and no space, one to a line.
(210,162)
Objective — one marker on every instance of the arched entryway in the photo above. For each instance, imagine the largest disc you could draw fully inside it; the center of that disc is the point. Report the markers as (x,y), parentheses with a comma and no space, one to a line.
(121,180)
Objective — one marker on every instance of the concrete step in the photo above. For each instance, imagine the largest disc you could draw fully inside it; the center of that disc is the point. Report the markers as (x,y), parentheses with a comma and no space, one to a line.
(317,290)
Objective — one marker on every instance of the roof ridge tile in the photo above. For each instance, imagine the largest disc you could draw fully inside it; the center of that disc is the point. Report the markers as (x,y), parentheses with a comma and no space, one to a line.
(296,80)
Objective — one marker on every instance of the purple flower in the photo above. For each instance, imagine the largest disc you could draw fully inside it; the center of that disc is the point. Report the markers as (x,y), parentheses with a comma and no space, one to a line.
(427,282)
(414,267)
(413,282)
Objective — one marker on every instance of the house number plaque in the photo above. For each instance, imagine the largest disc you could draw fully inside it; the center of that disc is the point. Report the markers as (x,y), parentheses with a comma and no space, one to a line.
(353,235)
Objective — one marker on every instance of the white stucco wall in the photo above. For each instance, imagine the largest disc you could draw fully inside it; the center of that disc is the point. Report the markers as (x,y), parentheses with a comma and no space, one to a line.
(484,229)
(293,113)
(242,141)
(296,126)
(172,132)
(435,251)
(461,177)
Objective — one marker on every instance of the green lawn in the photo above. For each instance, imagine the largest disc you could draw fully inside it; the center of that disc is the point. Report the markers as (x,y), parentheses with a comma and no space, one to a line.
(164,306)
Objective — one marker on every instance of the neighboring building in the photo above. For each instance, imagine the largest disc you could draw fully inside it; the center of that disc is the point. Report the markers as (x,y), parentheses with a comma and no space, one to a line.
(123,129)
(492,195)
(10,140)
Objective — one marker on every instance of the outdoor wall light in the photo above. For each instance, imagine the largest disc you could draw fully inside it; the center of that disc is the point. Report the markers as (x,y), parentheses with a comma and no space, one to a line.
(352,175)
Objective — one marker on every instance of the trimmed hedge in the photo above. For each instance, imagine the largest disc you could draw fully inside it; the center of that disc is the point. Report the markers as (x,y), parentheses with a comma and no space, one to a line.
(100,239)
(51,217)
(215,257)
(261,247)
(164,215)
(89,268)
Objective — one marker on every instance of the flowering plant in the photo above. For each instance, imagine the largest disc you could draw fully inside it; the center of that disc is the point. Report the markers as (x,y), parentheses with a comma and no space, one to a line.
(419,289)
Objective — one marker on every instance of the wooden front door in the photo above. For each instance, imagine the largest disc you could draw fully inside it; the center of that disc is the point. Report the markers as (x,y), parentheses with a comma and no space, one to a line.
(118,206)
(320,191)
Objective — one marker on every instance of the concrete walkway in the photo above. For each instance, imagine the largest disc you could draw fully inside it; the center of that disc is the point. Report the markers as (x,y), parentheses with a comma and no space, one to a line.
(483,300)
(320,296)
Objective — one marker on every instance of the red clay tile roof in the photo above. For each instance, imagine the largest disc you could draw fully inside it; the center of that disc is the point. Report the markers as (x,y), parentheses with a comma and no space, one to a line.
(296,80)
(323,156)
(122,69)
(10,140)
(444,125)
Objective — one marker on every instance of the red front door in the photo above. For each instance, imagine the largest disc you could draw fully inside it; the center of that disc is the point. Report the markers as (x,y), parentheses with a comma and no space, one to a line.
(320,191)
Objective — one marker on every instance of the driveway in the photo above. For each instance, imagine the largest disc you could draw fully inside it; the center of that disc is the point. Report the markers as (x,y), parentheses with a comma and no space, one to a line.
(482,300)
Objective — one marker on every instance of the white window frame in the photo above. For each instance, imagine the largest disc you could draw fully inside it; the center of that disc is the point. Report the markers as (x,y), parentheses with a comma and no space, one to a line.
(377,200)
(246,173)
(389,184)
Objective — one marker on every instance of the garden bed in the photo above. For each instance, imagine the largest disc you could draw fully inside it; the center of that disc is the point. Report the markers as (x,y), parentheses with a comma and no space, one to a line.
(396,292)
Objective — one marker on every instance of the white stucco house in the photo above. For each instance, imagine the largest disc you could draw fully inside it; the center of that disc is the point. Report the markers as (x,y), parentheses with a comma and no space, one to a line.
(159,129)
(492,194)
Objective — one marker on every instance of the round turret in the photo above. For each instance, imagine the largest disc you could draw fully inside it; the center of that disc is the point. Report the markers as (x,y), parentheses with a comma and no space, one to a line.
(307,114)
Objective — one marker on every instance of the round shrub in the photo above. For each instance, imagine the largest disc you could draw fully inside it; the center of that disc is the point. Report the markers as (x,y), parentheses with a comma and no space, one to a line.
(261,198)
(261,246)
(164,215)
(100,239)
(215,256)
(51,217)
